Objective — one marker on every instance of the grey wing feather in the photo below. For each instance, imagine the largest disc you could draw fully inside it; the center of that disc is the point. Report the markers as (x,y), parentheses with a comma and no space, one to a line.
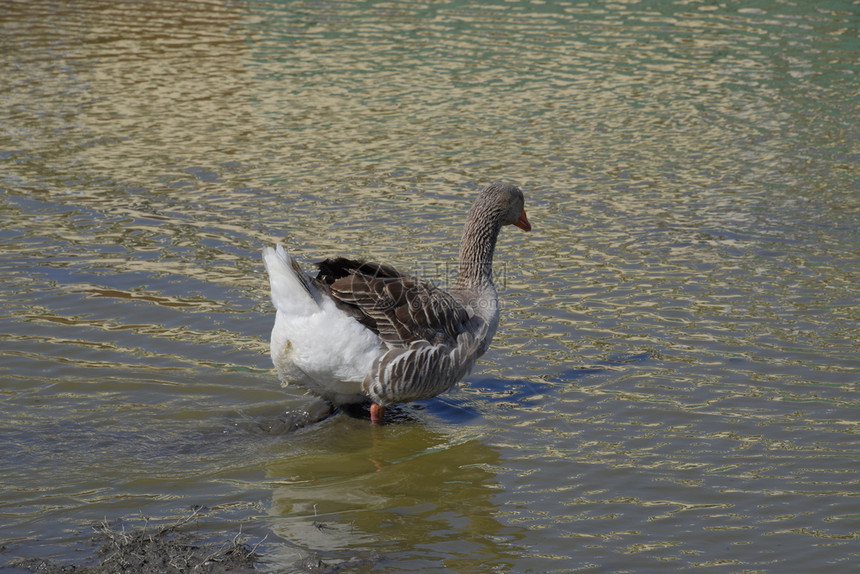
(400,308)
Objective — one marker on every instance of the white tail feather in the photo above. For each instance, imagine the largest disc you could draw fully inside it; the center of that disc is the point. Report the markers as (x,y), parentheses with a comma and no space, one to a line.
(313,342)
(292,293)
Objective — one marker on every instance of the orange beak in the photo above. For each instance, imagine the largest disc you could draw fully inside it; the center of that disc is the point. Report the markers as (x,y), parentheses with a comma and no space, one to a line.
(523,222)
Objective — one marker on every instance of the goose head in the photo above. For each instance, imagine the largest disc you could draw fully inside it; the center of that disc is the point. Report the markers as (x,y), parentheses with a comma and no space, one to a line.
(505,200)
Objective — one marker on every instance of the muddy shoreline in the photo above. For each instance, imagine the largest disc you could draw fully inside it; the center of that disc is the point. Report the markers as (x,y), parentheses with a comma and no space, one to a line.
(139,545)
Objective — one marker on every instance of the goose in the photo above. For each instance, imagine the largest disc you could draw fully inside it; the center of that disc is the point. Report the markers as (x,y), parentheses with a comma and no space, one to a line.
(360,330)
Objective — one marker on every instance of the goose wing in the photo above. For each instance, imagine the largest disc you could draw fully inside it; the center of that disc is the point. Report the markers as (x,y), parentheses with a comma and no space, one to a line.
(400,308)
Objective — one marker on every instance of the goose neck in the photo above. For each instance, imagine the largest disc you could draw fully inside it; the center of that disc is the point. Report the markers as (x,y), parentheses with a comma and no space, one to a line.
(476,250)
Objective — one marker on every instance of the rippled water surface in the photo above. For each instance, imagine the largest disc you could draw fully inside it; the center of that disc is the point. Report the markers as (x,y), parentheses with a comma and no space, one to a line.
(675,380)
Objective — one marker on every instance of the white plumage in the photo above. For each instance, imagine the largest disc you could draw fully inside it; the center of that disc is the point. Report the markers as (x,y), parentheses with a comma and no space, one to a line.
(314,343)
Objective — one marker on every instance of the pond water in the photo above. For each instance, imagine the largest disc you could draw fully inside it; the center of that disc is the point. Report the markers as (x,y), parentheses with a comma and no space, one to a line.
(675,382)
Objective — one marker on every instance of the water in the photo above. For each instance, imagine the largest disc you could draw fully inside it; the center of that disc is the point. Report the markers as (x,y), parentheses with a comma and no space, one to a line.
(675,379)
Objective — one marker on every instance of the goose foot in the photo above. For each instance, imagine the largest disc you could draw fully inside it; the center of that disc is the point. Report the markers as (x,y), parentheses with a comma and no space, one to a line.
(377,413)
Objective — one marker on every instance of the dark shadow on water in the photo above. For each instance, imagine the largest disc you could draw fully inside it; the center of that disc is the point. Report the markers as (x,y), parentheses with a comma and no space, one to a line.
(570,375)
(468,404)
(508,390)
(450,409)
(400,413)
(573,374)
(619,359)
(291,420)
(315,413)
(464,406)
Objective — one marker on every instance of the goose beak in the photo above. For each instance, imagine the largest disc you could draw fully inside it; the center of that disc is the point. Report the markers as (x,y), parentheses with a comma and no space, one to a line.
(523,222)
